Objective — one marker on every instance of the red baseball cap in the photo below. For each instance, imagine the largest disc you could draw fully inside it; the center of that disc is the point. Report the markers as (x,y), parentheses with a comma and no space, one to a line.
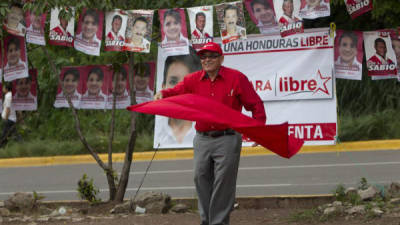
(211,47)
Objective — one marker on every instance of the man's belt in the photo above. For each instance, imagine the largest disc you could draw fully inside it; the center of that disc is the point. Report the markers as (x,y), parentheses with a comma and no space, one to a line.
(217,133)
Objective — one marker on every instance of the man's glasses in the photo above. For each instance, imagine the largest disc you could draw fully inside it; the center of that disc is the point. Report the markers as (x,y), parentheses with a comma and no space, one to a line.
(214,56)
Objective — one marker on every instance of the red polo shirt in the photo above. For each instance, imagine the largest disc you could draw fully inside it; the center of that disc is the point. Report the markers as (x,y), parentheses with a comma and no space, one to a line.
(230,87)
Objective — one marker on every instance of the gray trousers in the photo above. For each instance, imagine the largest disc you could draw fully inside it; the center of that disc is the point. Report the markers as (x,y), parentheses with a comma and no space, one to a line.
(216,163)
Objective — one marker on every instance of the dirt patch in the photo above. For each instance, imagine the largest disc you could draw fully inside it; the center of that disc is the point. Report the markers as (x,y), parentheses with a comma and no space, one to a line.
(98,215)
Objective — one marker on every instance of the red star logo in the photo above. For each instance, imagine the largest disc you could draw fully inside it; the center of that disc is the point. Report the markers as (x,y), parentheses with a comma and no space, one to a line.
(322,82)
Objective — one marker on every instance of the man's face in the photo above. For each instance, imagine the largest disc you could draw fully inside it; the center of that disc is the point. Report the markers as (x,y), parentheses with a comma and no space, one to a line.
(176,72)
(13,54)
(172,28)
(116,25)
(263,14)
(64,23)
(89,27)
(200,22)
(94,84)
(381,49)
(396,48)
(230,18)
(141,82)
(313,3)
(139,30)
(23,87)
(14,16)
(70,84)
(347,49)
(120,84)
(287,8)
(211,61)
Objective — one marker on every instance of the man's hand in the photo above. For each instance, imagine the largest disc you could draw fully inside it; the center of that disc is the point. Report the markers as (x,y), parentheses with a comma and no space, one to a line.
(158,96)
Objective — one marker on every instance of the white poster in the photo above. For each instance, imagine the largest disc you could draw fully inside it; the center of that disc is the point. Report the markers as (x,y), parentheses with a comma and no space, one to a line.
(285,74)
(201,25)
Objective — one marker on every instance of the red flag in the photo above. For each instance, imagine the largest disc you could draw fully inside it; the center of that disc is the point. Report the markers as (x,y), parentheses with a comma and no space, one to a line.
(199,108)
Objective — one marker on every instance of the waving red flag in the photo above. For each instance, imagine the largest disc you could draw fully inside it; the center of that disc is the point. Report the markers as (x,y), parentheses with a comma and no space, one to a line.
(199,108)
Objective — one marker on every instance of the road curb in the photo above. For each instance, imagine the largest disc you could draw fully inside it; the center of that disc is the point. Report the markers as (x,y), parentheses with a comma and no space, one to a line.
(188,154)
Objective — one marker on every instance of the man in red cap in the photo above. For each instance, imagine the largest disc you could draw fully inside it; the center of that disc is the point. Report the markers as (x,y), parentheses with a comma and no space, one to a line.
(216,146)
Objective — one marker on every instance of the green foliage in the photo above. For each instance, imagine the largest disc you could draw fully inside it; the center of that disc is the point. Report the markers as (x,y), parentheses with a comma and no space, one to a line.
(339,193)
(37,197)
(363,184)
(309,216)
(87,190)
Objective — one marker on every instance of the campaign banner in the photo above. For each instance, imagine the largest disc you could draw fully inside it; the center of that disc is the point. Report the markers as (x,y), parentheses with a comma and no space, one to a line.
(358,7)
(1,63)
(94,87)
(15,60)
(89,32)
(312,9)
(395,37)
(25,92)
(173,31)
(1,97)
(61,30)
(262,14)
(311,118)
(35,30)
(139,30)
(171,69)
(117,81)
(230,17)
(70,85)
(14,22)
(289,20)
(201,25)
(115,30)
(348,54)
(381,59)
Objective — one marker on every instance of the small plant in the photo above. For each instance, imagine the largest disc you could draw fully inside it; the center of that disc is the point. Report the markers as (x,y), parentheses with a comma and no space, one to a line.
(307,216)
(340,193)
(87,190)
(363,184)
(37,197)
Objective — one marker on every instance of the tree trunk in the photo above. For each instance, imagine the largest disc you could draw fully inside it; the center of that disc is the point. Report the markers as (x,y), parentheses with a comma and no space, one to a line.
(107,169)
(123,181)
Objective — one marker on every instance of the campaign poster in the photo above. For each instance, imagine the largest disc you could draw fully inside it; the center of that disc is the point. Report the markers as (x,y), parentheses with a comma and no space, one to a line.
(262,14)
(143,79)
(14,22)
(170,132)
(15,60)
(1,97)
(201,25)
(230,17)
(348,54)
(381,59)
(395,37)
(117,82)
(115,30)
(70,85)
(89,32)
(25,92)
(174,38)
(1,63)
(138,31)
(62,30)
(287,12)
(358,7)
(35,28)
(312,9)
(94,87)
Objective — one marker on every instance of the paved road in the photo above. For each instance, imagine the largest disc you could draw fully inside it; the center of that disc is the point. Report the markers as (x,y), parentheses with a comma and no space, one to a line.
(317,173)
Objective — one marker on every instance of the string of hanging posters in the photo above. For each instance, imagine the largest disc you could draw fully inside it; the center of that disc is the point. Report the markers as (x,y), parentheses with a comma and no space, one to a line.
(130,30)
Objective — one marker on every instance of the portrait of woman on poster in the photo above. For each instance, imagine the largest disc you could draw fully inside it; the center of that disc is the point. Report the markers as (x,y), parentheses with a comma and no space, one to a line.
(13,55)
(70,82)
(23,90)
(175,131)
(172,26)
(94,84)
